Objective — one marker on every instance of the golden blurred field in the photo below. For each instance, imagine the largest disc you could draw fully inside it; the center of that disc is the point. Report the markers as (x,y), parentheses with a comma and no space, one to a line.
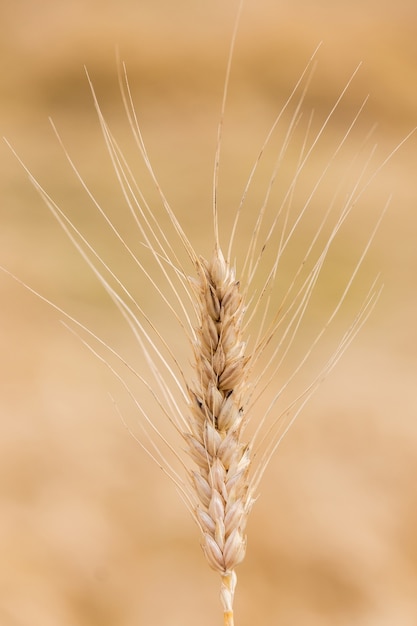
(91,532)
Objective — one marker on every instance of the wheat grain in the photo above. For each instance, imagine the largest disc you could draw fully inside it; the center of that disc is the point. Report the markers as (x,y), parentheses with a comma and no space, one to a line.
(218,313)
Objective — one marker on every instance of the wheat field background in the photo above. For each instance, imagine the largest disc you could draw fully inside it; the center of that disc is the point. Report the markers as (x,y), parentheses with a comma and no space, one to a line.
(91,532)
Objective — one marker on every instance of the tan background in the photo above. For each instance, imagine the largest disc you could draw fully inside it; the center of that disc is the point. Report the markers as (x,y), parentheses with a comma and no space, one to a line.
(91,532)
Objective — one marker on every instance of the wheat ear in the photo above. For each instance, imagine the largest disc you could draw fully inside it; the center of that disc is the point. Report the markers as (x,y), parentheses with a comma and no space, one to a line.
(216,420)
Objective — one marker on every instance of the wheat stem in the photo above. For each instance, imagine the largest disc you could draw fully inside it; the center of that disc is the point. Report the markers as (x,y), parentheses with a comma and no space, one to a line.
(227,592)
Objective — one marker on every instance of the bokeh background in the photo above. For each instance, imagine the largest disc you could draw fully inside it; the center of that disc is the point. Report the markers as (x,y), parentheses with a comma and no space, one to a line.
(91,532)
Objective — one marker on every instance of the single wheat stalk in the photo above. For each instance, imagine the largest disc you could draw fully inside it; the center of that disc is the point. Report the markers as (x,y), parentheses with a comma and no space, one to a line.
(238,335)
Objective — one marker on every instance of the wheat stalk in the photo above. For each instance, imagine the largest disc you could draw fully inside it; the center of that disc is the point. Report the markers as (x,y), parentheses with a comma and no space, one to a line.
(239,336)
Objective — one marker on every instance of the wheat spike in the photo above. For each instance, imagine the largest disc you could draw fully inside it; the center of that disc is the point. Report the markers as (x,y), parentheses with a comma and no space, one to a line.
(216,419)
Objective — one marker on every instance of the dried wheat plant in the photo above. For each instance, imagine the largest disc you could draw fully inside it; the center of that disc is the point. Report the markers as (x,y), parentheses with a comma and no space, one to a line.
(240,327)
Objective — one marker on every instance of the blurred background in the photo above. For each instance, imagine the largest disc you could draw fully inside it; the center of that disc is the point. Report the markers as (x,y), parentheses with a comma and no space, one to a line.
(91,531)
